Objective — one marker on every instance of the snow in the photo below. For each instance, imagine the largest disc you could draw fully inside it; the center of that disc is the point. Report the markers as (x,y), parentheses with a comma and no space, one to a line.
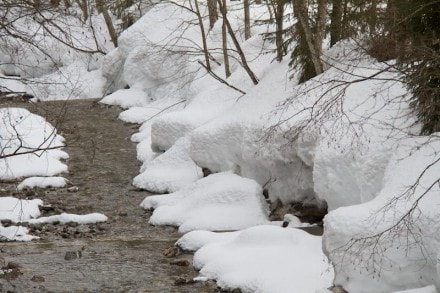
(222,201)
(42,182)
(408,251)
(170,171)
(261,259)
(19,210)
(66,218)
(33,143)
(427,289)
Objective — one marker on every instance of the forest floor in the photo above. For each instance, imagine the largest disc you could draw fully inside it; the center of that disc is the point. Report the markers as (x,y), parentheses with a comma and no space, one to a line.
(124,254)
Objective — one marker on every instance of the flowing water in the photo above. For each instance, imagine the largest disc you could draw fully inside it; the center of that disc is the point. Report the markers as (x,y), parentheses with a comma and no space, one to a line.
(124,254)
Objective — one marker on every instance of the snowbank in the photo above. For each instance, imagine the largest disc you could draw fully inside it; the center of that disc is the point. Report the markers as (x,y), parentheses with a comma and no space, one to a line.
(66,218)
(170,171)
(405,215)
(218,202)
(261,259)
(29,145)
(42,182)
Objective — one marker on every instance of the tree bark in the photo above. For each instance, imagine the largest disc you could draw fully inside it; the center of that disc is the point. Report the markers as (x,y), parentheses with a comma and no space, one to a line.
(202,31)
(279,17)
(336,22)
(314,42)
(108,21)
(212,10)
(236,43)
(247,20)
(223,10)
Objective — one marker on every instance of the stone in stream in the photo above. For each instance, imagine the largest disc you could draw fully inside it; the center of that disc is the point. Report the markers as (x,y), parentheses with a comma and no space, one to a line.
(180,262)
(38,279)
(71,255)
(171,251)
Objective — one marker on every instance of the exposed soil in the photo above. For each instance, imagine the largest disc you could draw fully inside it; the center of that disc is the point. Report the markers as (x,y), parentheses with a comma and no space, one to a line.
(124,254)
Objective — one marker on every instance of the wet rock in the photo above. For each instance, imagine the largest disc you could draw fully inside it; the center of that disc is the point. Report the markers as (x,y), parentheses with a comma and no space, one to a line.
(73,189)
(72,255)
(206,172)
(183,280)
(337,289)
(180,262)
(47,208)
(38,279)
(171,251)
(6,223)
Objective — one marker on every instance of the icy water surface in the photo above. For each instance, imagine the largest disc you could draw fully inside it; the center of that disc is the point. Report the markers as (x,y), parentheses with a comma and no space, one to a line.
(121,255)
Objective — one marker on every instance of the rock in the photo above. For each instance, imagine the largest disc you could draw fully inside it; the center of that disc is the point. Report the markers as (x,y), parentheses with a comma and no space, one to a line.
(337,289)
(182,280)
(38,279)
(73,189)
(206,172)
(6,223)
(47,208)
(2,262)
(180,262)
(171,251)
(71,255)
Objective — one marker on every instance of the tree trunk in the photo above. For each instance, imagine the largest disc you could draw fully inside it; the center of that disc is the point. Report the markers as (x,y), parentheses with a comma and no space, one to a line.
(223,10)
(236,43)
(84,9)
(279,17)
(313,42)
(247,21)
(336,22)
(212,10)
(372,17)
(108,21)
(202,31)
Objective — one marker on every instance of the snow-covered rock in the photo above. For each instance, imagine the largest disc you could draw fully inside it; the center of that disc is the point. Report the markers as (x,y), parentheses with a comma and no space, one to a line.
(171,171)
(222,201)
(262,259)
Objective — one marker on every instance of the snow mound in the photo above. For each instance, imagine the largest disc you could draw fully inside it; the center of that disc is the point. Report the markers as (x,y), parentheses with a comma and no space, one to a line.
(170,171)
(263,259)
(42,182)
(221,201)
(66,218)
(15,233)
(405,215)
(19,210)
(127,98)
(29,145)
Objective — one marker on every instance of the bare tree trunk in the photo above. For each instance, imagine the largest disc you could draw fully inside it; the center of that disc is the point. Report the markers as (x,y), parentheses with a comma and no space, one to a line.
(236,43)
(108,21)
(213,15)
(314,43)
(336,22)
(202,31)
(223,9)
(84,9)
(247,21)
(279,17)
(373,17)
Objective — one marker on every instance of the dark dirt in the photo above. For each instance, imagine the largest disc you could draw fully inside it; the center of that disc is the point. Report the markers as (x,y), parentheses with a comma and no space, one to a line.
(124,254)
